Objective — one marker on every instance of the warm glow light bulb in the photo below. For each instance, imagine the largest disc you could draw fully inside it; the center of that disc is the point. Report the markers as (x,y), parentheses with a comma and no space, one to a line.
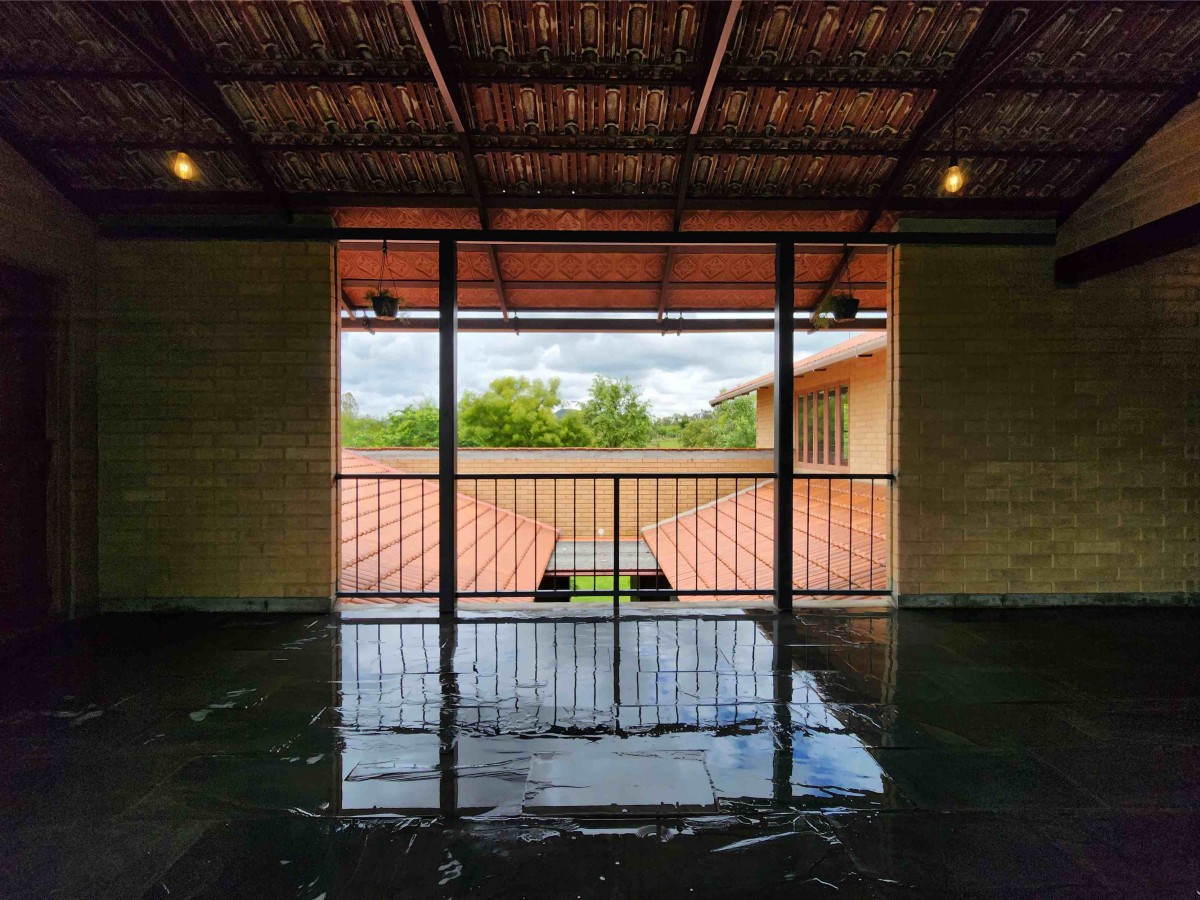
(954,179)
(185,169)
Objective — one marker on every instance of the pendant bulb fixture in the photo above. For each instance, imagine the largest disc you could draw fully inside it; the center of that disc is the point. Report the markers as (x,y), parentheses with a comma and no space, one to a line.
(953,180)
(184,168)
(181,163)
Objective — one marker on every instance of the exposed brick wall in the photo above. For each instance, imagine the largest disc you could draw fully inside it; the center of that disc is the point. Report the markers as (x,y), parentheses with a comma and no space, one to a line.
(42,232)
(581,508)
(1162,177)
(216,401)
(868,381)
(1046,440)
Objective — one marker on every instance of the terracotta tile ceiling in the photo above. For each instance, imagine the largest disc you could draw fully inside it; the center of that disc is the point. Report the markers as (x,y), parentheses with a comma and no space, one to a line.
(626,114)
(840,540)
(390,537)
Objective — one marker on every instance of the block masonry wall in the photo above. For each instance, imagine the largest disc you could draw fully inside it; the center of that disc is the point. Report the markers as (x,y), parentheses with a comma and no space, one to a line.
(1046,440)
(1161,178)
(42,232)
(582,507)
(217,391)
(868,378)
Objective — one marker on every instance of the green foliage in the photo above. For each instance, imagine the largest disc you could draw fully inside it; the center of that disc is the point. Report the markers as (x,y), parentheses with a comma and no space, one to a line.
(416,425)
(730,425)
(359,430)
(518,412)
(616,413)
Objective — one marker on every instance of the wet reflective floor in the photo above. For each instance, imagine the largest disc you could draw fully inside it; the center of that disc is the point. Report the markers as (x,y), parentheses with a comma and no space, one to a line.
(917,754)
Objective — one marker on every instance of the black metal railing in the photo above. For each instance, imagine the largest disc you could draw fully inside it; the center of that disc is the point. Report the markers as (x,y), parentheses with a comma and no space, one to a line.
(614,537)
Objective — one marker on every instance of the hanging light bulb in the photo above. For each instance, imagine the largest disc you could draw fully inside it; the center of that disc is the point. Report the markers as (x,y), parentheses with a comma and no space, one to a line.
(181,163)
(185,169)
(954,178)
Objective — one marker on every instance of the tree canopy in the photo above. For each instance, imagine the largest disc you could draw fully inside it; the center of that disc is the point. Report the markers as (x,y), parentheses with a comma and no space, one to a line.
(518,412)
(616,413)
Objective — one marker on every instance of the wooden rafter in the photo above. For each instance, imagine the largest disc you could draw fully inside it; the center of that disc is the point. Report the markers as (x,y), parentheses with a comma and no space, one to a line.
(9,73)
(181,69)
(519,144)
(717,30)
(114,199)
(430,33)
(967,78)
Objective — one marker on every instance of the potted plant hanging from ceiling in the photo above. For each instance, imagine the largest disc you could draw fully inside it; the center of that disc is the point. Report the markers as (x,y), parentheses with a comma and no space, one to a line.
(385,304)
(838,306)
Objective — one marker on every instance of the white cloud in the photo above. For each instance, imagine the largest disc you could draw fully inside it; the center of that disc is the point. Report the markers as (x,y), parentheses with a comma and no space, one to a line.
(677,373)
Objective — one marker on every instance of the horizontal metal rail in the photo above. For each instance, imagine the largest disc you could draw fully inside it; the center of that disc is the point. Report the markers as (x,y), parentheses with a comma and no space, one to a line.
(620,476)
(632,536)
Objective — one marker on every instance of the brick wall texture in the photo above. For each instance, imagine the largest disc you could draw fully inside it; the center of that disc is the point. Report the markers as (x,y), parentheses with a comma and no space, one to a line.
(42,232)
(868,381)
(581,506)
(1163,177)
(1046,440)
(216,397)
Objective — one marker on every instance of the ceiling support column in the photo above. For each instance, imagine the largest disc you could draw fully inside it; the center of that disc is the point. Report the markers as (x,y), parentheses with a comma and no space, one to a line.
(785,334)
(447,426)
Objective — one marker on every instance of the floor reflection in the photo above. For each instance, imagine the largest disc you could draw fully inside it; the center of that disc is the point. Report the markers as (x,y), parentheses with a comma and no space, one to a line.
(508,717)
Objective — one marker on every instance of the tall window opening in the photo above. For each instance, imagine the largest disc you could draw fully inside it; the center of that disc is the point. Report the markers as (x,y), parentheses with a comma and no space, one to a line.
(824,418)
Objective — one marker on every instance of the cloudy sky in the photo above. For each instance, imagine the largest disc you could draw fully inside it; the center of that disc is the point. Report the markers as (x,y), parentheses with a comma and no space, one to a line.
(677,373)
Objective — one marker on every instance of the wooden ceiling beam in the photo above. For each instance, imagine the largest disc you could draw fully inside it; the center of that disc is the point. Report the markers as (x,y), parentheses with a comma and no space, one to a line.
(430,33)
(517,144)
(181,68)
(967,77)
(718,26)
(686,286)
(120,201)
(11,73)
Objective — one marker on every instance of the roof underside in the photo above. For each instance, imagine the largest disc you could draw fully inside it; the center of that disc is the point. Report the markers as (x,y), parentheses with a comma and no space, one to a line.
(621,114)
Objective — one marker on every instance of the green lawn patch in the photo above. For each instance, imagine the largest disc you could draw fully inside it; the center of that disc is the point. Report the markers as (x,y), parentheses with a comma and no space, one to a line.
(598,583)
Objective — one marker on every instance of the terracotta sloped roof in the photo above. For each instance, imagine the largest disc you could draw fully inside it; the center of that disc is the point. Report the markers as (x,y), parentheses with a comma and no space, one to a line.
(856,346)
(390,537)
(840,539)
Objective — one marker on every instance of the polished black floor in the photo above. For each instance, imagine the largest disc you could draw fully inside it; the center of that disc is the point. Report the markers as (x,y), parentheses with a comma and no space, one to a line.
(998,754)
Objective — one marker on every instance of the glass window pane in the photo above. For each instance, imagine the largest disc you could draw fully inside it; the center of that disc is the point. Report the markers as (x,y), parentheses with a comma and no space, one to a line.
(820,427)
(831,426)
(845,424)
(808,423)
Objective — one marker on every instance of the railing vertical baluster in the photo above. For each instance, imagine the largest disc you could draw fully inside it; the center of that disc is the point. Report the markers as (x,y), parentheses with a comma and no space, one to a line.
(828,535)
(871,585)
(535,533)
(496,534)
(357,538)
(807,532)
(696,530)
(378,534)
(616,566)
(850,563)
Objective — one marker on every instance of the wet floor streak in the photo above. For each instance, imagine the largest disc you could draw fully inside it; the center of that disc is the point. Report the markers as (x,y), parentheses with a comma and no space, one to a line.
(524,756)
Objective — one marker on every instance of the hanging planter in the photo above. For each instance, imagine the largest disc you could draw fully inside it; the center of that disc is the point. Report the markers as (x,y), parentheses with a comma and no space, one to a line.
(385,303)
(844,307)
(839,307)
